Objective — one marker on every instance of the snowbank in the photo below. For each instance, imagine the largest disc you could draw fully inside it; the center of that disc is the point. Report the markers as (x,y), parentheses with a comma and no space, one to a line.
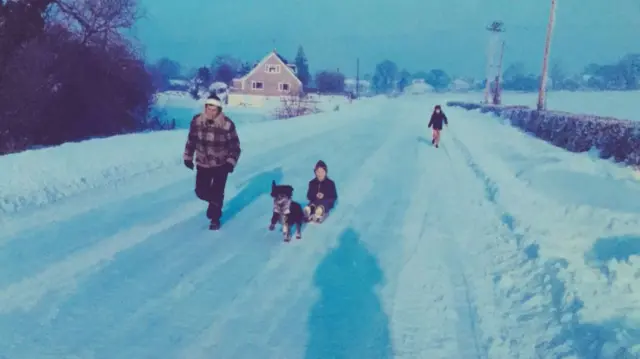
(181,106)
(612,138)
(41,176)
(38,177)
(617,104)
(570,255)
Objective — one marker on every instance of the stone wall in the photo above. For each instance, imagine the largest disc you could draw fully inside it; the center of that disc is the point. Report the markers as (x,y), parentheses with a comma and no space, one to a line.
(615,139)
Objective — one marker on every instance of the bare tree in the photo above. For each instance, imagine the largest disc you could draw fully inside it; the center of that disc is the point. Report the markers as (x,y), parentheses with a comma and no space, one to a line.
(97,22)
(294,106)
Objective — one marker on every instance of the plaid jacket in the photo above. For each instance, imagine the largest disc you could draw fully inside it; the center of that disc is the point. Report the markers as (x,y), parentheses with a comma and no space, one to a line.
(214,142)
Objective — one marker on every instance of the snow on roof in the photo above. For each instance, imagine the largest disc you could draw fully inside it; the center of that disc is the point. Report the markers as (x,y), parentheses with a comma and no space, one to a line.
(179,82)
(353,82)
(218,85)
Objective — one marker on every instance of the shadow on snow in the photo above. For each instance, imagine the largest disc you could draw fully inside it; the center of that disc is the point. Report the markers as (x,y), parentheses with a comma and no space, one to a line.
(348,320)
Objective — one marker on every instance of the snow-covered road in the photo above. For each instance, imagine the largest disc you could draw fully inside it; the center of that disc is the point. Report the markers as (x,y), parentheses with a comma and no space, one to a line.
(431,253)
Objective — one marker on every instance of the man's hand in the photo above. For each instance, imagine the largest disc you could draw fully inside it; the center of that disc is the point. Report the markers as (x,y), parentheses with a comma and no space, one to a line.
(319,195)
(188,164)
(228,167)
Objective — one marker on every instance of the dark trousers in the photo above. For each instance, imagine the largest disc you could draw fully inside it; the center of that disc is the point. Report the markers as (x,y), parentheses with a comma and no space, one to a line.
(210,185)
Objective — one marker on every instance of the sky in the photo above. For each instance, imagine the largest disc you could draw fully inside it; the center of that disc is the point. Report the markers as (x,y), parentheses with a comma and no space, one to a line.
(415,34)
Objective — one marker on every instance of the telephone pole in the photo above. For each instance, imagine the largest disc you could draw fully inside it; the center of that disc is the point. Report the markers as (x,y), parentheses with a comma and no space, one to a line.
(497,96)
(358,78)
(495,28)
(545,59)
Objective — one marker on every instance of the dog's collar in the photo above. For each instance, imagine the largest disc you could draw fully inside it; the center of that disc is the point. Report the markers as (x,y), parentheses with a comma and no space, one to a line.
(282,207)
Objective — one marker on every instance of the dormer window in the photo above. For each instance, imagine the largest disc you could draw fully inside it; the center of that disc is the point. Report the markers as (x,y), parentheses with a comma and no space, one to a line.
(272,69)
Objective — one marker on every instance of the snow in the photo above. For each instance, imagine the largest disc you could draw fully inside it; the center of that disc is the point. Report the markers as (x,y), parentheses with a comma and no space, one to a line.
(181,106)
(460,85)
(496,245)
(618,104)
(419,88)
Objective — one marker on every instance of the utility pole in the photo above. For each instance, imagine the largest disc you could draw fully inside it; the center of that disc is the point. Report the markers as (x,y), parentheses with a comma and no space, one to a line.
(358,78)
(545,60)
(497,98)
(495,28)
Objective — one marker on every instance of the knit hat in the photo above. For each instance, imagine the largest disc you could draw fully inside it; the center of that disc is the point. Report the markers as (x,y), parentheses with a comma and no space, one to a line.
(214,100)
(322,165)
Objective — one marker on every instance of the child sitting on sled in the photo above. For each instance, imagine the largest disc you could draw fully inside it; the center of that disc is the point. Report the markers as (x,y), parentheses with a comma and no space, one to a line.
(322,195)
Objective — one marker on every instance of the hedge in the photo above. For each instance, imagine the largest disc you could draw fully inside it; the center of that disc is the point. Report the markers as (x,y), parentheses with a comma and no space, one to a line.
(614,139)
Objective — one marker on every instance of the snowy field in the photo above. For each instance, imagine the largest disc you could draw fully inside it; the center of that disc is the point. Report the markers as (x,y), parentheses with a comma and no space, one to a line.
(618,104)
(181,106)
(496,245)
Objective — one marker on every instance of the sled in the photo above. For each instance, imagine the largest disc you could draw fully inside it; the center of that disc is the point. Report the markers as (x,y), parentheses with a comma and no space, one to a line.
(319,220)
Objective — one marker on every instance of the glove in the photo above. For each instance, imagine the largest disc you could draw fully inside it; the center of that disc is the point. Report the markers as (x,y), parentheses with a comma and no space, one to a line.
(188,164)
(228,167)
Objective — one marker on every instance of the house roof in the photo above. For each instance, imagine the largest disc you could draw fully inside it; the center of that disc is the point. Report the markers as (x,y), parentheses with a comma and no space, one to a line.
(284,61)
(281,58)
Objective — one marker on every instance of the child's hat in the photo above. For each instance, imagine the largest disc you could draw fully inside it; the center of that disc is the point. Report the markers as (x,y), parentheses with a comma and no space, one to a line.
(322,165)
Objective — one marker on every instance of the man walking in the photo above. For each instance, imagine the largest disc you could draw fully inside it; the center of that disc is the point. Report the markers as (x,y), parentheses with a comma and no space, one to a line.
(214,141)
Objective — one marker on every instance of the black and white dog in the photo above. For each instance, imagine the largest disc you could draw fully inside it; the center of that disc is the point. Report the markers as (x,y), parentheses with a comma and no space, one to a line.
(286,211)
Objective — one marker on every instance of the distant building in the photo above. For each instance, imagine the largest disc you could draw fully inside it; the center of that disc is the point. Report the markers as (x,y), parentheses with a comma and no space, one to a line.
(418,87)
(460,85)
(272,77)
(179,85)
(363,87)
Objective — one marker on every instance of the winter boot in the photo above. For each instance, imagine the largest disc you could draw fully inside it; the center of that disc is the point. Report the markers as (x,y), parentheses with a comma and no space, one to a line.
(318,215)
(272,227)
(214,225)
(307,213)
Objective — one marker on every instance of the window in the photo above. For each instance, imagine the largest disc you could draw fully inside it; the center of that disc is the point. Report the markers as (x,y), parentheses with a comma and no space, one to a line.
(272,69)
(284,87)
(257,85)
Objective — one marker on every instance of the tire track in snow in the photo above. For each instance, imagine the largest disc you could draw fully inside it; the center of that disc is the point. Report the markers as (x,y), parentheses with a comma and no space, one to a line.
(507,335)
(62,275)
(128,187)
(183,298)
(543,304)
(201,282)
(374,229)
(433,311)
(285,289)
(491,189)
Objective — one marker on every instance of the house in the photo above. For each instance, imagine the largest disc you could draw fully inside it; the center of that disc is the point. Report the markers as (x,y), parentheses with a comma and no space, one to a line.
(364,86)
(460,85)
(178,85)
(271,78)
(418,87)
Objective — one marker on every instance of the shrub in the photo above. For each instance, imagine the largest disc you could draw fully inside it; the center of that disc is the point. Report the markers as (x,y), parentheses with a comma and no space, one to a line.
(615,139)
